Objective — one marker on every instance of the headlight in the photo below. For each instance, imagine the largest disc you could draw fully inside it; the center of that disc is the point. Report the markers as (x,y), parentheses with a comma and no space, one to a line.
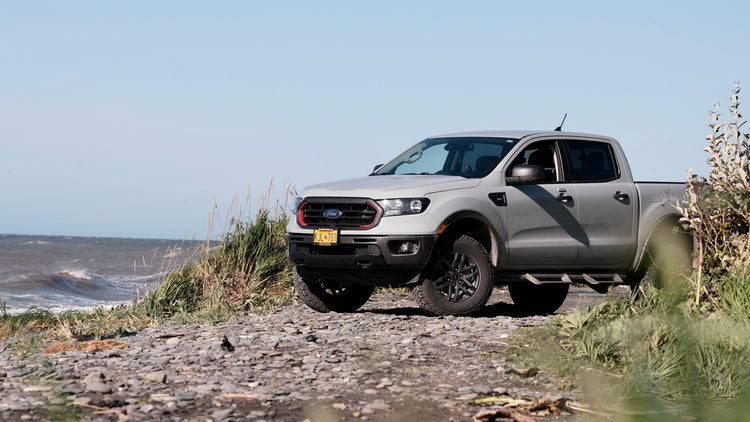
(403,206)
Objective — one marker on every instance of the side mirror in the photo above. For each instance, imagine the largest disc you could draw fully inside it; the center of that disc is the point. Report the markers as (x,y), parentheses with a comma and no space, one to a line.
(376,168)
(525,174)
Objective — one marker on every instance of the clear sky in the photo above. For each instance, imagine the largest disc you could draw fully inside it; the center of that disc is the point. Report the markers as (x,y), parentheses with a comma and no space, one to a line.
(131,119)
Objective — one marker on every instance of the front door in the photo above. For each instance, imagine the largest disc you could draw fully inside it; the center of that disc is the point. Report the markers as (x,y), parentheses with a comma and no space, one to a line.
(543,227)
(542,218)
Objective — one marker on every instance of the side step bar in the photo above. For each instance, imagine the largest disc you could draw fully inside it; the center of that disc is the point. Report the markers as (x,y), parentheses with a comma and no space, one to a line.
(590,279)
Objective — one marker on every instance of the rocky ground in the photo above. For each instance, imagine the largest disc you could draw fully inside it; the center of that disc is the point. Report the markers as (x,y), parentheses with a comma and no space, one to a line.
(387,362)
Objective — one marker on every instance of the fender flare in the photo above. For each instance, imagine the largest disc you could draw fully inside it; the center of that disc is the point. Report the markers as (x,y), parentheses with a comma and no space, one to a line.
(662,226)
(485,233)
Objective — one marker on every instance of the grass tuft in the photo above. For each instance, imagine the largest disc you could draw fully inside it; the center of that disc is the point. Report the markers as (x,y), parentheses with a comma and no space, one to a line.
(247,271)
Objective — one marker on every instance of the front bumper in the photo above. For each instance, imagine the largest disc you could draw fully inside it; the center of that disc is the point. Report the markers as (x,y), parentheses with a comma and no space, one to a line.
(360,252)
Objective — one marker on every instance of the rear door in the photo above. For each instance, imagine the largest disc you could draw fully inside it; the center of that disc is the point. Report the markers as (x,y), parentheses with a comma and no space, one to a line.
(606,204)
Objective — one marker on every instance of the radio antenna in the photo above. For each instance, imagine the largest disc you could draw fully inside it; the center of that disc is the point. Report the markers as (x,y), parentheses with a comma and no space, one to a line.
(559,128)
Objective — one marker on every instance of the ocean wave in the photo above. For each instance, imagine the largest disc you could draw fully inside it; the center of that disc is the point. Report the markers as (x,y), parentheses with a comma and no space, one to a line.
(55,272)
(79,274)
(68,284)
(36,242)
(87,285)
(73,290)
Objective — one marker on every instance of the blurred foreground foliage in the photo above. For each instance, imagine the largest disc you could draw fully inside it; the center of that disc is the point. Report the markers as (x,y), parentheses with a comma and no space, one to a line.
(681,352)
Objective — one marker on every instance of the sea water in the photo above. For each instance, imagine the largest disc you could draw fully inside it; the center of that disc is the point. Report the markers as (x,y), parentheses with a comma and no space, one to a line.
(61,273)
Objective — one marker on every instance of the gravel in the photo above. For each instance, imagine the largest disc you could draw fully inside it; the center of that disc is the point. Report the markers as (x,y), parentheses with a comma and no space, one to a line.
(385,362)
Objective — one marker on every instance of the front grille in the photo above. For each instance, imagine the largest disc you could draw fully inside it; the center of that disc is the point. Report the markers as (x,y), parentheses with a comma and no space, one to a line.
(354,213)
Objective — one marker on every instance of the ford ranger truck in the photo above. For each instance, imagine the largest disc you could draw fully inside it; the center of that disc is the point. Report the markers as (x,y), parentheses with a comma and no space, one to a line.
(456,214)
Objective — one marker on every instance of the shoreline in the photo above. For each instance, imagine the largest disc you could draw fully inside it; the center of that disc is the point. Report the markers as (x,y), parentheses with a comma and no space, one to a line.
(385,362)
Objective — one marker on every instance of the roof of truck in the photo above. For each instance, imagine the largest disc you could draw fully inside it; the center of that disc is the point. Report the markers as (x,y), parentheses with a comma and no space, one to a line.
(512,134)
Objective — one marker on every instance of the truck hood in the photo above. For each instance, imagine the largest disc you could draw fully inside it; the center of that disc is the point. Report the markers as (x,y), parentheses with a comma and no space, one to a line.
(390,186)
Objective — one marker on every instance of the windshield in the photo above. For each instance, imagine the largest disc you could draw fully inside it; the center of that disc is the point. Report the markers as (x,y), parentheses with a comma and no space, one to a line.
(471,157)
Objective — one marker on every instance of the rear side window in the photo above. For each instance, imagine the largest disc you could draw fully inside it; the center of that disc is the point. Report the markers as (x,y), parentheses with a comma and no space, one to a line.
(591,161)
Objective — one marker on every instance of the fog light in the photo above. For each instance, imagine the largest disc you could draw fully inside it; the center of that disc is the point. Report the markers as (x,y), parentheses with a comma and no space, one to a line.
(407,248)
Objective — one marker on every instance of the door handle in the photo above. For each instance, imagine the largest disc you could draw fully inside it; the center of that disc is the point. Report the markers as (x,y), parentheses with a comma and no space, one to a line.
(562,195)
(621,196)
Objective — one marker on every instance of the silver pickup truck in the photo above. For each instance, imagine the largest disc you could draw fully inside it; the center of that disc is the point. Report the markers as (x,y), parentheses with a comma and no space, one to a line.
(455,214)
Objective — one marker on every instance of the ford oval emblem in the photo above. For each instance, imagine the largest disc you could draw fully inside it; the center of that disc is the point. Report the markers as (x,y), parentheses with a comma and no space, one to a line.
(332,213)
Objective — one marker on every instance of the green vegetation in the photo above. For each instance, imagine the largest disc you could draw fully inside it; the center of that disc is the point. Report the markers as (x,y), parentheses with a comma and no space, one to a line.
(681,352)
(671,358)
(36,321)
(246,270)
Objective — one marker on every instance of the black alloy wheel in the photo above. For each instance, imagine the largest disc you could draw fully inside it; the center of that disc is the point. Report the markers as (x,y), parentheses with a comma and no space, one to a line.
(458,281)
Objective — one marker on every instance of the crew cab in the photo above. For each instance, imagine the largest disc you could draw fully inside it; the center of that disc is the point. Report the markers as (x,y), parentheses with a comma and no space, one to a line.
(453,215)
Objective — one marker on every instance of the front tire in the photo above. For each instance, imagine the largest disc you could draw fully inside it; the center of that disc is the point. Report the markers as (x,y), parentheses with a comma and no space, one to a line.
(330,296)
(542,299)
(457,281)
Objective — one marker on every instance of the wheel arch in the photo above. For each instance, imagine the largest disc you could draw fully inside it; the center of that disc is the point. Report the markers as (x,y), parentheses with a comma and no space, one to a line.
(667,229)
(478,227)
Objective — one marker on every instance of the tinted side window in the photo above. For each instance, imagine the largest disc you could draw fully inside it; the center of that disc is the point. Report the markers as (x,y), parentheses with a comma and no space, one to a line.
(591,161)
(542,153)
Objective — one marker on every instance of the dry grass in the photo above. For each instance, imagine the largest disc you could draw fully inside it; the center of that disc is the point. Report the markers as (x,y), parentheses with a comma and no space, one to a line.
(85,346)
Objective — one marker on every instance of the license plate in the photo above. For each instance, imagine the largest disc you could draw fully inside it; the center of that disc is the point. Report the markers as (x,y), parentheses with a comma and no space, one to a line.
(326,237)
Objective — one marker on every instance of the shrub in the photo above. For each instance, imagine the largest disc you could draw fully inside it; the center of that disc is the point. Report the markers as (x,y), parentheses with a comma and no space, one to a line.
(717,210)
(247,270)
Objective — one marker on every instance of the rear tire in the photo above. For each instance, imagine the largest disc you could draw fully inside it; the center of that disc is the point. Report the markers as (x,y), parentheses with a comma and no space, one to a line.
(542,299)
(457,281)
(330,296)
(670,257)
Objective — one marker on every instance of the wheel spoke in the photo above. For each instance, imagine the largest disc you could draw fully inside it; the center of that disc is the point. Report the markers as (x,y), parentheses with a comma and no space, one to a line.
(443,282)
(457,259)
(457,277)
(467,286)
(468,271)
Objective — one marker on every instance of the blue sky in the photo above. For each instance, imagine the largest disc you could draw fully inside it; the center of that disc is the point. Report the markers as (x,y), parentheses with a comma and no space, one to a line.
(132,119)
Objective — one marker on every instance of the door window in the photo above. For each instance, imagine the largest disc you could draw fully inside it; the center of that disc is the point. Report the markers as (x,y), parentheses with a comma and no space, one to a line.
(542,153)
(591,161)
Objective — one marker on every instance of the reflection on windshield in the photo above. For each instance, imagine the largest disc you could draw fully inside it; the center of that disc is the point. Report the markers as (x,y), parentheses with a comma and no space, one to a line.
(470,157)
